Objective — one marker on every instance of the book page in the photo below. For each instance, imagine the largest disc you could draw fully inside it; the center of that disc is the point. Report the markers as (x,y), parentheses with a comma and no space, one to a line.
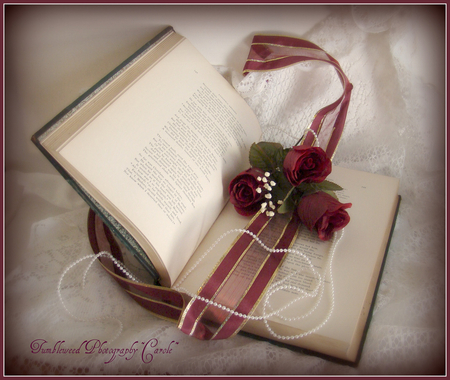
(163,152)
(355,266)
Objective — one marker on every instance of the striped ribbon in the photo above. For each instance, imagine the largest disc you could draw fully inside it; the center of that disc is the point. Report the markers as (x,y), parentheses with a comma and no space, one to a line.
(225,285)
(269,53)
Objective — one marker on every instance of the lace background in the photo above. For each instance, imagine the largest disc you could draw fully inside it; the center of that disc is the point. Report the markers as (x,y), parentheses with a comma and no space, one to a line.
(393,55)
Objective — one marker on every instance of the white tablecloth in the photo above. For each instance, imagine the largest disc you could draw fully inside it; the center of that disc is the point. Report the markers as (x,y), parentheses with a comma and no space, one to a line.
(393,55)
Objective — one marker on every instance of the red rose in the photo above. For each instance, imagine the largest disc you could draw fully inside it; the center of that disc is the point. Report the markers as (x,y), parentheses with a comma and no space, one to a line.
(324,213)
(306,164)
(244,194)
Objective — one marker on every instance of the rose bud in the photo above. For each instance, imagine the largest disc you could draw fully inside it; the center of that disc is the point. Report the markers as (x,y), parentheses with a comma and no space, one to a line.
(324,213)
(306,164)
(246,192)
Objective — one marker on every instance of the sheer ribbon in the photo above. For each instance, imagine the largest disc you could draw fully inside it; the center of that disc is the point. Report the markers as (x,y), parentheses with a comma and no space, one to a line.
(227,285)
(276,52)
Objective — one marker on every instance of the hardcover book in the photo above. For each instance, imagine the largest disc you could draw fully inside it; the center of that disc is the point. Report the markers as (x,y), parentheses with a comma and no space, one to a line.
(152,148)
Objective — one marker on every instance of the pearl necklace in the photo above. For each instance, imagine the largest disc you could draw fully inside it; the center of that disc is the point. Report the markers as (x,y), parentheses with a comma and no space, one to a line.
(273,288)
(278,286)
(93,258)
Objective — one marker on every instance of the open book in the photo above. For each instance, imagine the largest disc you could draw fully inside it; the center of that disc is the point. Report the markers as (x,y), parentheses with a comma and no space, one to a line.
(152,148)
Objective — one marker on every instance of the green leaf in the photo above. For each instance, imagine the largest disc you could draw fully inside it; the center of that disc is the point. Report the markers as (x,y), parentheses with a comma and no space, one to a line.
(289,202)
(280,156)
(307,188)
(332,193)
(263,155)
(282,181)
(287,206)
(328,186)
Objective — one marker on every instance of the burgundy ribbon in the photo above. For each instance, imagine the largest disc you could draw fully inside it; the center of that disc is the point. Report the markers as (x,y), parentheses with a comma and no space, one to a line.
(263,279)
(267,53)
(276,52)
(244,300)
(161,301)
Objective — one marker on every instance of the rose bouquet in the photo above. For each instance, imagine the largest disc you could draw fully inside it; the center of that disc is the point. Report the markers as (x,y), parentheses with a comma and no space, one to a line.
(290,180)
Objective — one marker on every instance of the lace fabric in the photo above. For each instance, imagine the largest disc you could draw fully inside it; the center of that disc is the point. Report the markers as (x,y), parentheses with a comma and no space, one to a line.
(395,127)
